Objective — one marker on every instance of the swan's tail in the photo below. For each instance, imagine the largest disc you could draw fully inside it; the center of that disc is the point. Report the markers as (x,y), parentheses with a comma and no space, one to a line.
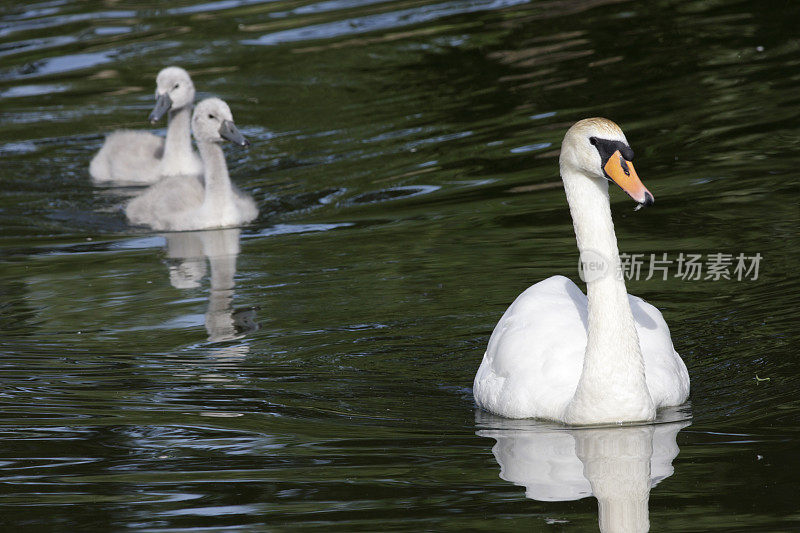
(99,167)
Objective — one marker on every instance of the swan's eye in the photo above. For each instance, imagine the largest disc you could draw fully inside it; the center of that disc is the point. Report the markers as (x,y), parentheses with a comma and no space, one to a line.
(593,140)
(624,165)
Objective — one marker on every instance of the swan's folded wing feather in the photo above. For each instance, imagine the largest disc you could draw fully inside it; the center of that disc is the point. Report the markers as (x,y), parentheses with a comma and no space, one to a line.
(160,204)
(128,156)
(535,354)
(665,371)
(246,207)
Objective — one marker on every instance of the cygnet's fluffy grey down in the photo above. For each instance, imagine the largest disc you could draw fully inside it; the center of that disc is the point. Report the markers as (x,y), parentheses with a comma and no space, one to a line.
(141,158)
(186,203)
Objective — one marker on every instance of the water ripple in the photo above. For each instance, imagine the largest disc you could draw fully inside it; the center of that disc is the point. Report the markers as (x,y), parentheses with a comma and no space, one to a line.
(381,21)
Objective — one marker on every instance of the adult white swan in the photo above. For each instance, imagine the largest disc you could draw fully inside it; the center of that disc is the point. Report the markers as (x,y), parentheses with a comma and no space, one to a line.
(141,158)
(180,203)
(558,355)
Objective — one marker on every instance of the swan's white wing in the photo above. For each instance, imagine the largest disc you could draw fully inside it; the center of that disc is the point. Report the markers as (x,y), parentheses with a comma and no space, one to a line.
(161,205)
(128,156)
(666,374)
(535,354)
(245,208)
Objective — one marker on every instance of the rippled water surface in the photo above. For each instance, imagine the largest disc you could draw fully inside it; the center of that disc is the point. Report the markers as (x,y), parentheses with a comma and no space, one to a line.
(314,370)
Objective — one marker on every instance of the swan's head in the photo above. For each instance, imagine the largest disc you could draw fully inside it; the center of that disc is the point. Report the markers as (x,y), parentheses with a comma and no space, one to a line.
(597,148)
(174,90)
(212,121)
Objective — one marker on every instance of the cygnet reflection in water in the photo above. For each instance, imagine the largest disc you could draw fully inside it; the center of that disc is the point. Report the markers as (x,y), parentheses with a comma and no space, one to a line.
(188,253)
(617,465)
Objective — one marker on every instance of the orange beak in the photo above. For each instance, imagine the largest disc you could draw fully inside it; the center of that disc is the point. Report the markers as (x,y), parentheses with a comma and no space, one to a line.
(622,172)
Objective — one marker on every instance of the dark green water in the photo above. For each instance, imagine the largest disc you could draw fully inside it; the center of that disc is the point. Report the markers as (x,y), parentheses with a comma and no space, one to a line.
(404,159)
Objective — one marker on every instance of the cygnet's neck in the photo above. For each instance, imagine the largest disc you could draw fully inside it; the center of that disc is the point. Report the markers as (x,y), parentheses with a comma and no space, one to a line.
(612,386)
(218,191)
(178,145)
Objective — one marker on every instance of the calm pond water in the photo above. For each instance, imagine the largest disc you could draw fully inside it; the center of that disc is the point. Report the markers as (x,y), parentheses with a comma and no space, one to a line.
(313,371)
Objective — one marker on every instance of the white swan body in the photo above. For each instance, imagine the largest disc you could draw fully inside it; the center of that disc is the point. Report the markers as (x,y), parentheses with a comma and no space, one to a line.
(141,158)
(561,355)
(185,203)
(535,354)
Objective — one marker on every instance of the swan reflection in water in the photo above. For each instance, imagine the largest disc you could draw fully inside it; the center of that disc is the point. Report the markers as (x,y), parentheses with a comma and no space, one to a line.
(617,465)
(189,253)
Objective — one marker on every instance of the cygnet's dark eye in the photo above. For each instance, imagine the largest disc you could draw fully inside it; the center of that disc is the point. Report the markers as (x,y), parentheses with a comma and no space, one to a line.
(177,85)
(210,115)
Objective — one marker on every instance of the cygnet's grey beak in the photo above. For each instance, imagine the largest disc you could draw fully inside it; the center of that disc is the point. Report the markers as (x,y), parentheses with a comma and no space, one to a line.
(163,104)
(228,131)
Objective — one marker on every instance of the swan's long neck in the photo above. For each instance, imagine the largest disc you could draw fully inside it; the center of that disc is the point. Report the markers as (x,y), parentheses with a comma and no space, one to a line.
(219,200)
(178,145)
(612,386)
